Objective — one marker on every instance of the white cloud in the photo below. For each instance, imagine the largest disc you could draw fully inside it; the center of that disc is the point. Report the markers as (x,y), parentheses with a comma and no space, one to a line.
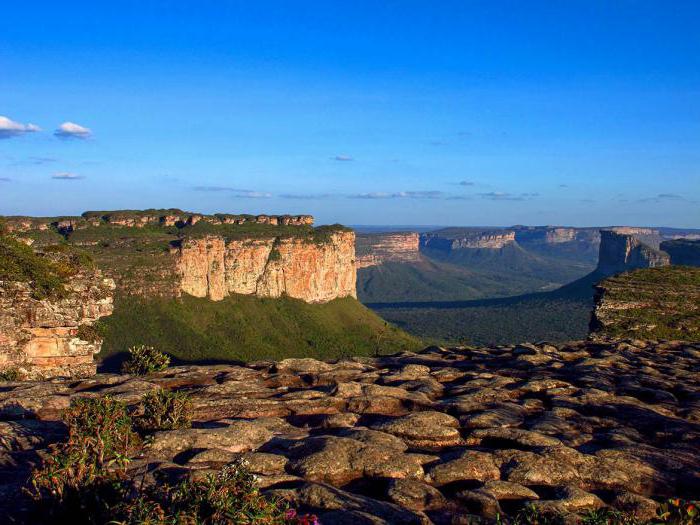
(10,128)
(71,130)
(343,158)
(67,176)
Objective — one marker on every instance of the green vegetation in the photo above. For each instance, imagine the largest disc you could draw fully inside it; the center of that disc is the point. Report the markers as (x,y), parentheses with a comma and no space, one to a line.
(247,230)
(19,262)
(10,374)
(85,481)
(653,303)
(559,315)
(145,360)
(248,328)
(672,512)
(165,410)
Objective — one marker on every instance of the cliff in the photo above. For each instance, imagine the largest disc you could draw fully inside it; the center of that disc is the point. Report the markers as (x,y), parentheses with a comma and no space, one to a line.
(379,248)
(683,251)
(144,218)
(165,253)
(658,303)
(44,332)
(312,271)
(620,252)
(459,239)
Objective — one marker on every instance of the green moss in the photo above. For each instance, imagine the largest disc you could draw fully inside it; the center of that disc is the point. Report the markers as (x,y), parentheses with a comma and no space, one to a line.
(249,328)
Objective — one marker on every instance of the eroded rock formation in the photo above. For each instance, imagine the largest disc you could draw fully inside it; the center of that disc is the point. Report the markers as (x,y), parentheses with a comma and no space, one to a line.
(439,436)
(623,251)
(468,240)
(304,269)
(42,338)
(376,249)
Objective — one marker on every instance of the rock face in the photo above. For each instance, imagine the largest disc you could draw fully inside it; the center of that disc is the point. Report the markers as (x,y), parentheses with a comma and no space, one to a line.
(555,235)
(683,251)
(41,338)
(468,240)
(143,218)
(440,436)
(312,271)
(376,249)
(623,251)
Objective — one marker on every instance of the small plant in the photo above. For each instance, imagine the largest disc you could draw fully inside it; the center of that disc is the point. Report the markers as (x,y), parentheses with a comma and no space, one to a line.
(227,497)
(679,512)
(145,360)
(10,374)
(83,472)
(165,410)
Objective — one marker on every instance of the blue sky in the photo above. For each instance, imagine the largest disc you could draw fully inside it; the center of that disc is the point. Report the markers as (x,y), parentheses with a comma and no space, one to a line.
(393,112)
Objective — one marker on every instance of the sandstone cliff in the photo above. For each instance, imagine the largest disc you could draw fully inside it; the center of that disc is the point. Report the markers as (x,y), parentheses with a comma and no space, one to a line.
(376,249)
(143,218)
(458,240)
(620,252)
(312,271)
(41,338)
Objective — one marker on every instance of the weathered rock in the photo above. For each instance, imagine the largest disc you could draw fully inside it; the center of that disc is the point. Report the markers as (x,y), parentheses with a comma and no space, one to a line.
(427,430)
(471,465)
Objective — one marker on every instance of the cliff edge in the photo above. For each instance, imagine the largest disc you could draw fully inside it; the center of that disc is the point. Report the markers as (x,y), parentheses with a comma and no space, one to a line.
(48,302)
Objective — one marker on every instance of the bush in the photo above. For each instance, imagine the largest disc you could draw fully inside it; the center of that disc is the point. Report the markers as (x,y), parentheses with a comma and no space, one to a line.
(84,481)
(75,474)
(10,374)
(145,360)
(165,410)
(227,497)
(18,262)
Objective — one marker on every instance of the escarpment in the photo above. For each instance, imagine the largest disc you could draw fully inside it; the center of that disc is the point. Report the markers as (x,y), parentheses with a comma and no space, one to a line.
(49,334)
(448,240)
(623,251)
(312,271)
(376,249)
(165,253)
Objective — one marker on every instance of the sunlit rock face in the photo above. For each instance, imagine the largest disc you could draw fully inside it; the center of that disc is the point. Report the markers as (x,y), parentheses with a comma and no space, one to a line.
(376,249)
(42,338)
(304,269)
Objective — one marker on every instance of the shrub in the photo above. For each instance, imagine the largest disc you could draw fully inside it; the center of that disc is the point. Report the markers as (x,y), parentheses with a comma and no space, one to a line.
(165,410)
(145,360)
(10,374)
(227,497)
(18,262)
(82,473)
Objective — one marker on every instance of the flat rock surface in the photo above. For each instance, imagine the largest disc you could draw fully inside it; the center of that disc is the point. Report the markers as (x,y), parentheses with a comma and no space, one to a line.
(431,437)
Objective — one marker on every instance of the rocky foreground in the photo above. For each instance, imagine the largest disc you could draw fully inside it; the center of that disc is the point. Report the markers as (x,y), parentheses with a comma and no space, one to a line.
(434,437)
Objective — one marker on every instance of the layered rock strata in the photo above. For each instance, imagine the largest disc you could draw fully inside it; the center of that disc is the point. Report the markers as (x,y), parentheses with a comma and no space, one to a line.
(312,271)
(442,436)
(469,240)
(141,219)
(376,249)
(42,338)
